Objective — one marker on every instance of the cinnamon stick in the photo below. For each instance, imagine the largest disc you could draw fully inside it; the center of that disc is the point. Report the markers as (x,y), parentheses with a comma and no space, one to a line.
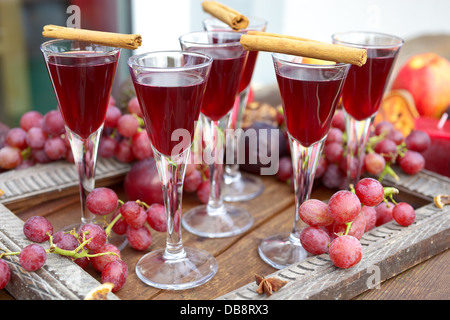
(118,40)
(271,42)
(231,17)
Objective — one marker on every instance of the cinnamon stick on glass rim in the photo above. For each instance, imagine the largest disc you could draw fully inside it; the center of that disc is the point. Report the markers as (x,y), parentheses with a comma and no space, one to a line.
(110,39)
(271,42)
(231,17)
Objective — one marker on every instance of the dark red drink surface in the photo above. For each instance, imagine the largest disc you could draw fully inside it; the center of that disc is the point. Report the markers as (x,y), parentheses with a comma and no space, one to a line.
(170,101)
(224,78)
(364,87)
(308,105)
(83,88)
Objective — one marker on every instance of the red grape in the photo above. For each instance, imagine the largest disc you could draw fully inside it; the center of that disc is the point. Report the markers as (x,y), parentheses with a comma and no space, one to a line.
(139,238)
(94,232)
(345,251)
(334,152)
(39,156)
(102,201)
(387,148)
(53,123)
(55,148)
(140,145)
(134,106)
(123,152)
(417,141)
(32,257)
(31,119)
(315,213)
(384,213)
(334,135)
(115,272)
(374,163)
(107,147)
(16,137)
(412,162)
(383,127)
(65,241)
(113,115)
(404,214)
(36,227)
(396,136)
(333,176)
(369,191)
(285,170)
(120,226)
(100,262)
(338,120)
(344,206)
(357,227)
(192,181)
(133,214)
(10,157)
(5,274)
(314,240)
(156,217)
(370,215)
(203,192)
(36,138)
(127,125)
(321,168)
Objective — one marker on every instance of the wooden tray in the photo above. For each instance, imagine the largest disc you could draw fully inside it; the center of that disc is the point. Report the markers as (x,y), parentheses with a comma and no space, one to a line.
(388,249)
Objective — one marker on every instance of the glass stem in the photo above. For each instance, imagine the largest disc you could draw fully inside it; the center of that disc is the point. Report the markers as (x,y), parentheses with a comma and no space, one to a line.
(232,169)
(357,135)
(304,163)
(214,133)
(85,158)
(171,172)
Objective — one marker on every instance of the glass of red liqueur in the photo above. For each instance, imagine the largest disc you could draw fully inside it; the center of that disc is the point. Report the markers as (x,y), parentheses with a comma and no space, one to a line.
(240,186)
(217,219)
(82,75)
(364,89)
(309,94)
(170,87)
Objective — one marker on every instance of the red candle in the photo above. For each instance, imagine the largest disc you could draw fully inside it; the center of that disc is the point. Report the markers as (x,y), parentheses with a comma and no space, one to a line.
(437,156)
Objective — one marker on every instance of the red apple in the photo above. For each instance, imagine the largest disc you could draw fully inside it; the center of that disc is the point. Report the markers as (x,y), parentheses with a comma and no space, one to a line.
(427,77)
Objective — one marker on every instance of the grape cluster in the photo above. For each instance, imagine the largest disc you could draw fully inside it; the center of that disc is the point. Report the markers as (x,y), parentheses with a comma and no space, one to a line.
(87,245)
(41,138)
(386,146)
(336,227)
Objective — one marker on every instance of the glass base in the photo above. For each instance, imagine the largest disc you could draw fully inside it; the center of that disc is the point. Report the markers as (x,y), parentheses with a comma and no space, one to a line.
(281,250)
(196,268)
(241,188)
(226,221)
(120,241)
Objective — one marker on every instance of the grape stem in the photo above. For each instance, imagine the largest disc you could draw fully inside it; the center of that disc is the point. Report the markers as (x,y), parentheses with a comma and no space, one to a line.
(79,252)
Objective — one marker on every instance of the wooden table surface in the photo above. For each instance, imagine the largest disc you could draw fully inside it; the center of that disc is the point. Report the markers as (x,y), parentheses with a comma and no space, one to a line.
(237,256)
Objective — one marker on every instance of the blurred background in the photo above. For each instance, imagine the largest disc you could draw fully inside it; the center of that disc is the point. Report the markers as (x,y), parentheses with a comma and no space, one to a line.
(25,85)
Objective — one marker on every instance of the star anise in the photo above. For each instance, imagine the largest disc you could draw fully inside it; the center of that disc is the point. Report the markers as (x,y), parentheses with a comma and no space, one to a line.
(268,285)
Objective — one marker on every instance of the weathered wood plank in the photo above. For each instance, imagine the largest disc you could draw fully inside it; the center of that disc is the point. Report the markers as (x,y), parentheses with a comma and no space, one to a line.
(58,279)
(388,250)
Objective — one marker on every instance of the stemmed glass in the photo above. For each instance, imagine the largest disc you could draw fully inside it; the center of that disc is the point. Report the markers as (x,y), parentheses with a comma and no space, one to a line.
(239,186)
(310,95)
(170,87)
(364,89)
(82,75)
(217,219)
